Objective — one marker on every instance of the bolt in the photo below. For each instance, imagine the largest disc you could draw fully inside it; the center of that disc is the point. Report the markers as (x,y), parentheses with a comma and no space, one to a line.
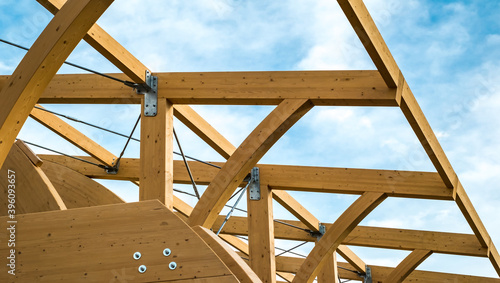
(167,252)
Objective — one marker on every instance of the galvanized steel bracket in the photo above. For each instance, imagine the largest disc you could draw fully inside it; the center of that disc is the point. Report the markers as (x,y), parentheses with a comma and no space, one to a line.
(254,184)
(150,91)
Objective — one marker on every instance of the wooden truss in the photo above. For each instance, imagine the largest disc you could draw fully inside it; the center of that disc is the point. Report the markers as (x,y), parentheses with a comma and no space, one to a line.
(74,229)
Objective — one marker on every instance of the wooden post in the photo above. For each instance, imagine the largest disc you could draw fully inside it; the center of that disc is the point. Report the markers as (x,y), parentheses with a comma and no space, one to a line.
(329,273)
(261,235)
(156,177)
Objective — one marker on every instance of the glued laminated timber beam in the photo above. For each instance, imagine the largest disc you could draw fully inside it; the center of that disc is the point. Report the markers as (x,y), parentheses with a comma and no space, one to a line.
(25,86)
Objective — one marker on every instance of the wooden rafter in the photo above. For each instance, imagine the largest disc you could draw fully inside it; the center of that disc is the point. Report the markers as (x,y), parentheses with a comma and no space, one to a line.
(73,136)
(33,74)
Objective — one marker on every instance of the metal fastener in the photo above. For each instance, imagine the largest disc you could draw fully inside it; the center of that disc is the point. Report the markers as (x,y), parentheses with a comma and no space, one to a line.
(142,268)
(137,255)
(167,252)
(172,265)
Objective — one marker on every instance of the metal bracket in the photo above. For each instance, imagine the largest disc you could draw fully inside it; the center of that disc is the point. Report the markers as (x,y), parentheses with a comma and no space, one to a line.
(150,91)
(322,231)
(254,184)
(113,170)
(368,275)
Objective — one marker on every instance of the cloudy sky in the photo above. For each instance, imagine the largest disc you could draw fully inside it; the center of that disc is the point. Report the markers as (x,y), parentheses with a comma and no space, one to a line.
(449,52)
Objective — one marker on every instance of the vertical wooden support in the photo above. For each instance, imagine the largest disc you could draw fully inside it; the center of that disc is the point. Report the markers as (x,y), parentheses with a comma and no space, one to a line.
(329,273)
(261,235)
(156,179)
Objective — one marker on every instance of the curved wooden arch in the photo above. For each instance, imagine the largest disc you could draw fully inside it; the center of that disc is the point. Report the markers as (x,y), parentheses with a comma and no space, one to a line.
(406,267)
(245,157)
(32,189)
(335,234)
(41,63)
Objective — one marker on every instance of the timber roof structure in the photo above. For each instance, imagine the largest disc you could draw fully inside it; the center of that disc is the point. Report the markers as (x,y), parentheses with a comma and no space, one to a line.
(73,229)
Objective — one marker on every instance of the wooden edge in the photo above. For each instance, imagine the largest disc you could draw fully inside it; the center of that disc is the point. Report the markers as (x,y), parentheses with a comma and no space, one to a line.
(204,130)
(72,135)
(367,31)
(107,46)
(352,258)
(470,214)
(418,122)
(336,234)
(235,263)
(408,265)
(236,243)
(29,153)
(286,275)
(494,258)
(295,208)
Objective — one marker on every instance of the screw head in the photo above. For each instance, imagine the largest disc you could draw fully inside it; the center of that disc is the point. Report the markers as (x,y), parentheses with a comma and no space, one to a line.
(142,268)
(137,255)
(172,265)
(167,252)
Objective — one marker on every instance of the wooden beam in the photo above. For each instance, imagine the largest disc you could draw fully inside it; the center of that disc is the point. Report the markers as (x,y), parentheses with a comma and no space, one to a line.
(423,185)
(334,88)
(336,234)
(329,272)
(245,157)
(295,208)
(410,184)
(352,258)
(379,273)
(107,46)
(27,185)
(494,257)
(68,238)
(410,263)
(367,31)
(261,235)
(236,243)
(77,190)
(72,135)
(204,130)
(156,180)
(471,216)
(375,237)
(235,263)
(33,74)
(427,138)
(286,275)
(130,169)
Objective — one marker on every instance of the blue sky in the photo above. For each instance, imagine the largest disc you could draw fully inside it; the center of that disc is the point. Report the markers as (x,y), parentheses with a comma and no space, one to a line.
(448,51)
